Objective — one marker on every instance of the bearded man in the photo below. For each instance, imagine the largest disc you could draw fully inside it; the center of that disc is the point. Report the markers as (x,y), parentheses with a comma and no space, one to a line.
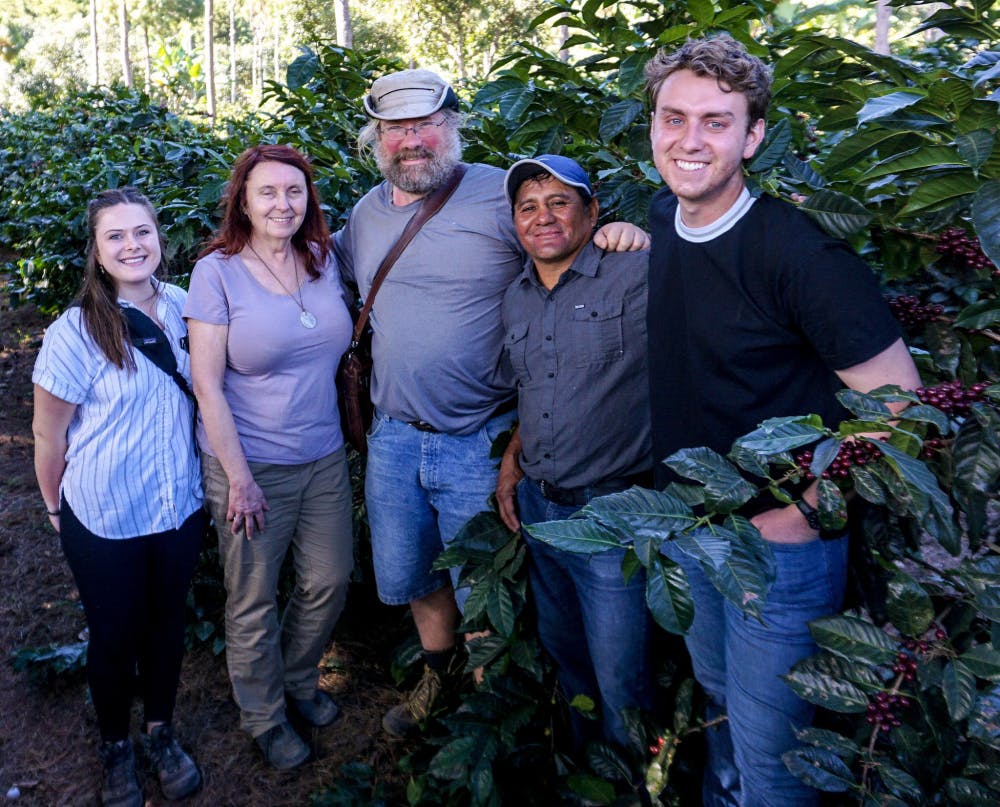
(437,338)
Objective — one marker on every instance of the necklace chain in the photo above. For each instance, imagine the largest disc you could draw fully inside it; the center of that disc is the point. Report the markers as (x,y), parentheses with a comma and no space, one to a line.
(270,271)
(305,317)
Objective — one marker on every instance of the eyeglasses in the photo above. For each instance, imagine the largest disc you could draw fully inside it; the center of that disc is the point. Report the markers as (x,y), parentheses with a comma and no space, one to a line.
(422,130)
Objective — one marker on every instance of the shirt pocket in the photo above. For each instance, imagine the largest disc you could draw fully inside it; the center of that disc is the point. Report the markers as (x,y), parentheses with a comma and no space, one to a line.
(516,345)
(597,332)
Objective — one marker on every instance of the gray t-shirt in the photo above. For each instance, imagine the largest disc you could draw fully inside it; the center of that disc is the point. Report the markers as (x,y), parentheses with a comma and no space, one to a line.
(436,319)
(279,379)
(578,353)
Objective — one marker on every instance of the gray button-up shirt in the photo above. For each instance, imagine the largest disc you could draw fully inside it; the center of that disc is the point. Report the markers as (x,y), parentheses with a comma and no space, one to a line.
(578,355)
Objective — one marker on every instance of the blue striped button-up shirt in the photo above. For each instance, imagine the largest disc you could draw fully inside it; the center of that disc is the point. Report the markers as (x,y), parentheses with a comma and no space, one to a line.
(131,467)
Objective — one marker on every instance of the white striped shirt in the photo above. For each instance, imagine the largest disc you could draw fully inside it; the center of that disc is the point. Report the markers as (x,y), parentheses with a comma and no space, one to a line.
(131,467)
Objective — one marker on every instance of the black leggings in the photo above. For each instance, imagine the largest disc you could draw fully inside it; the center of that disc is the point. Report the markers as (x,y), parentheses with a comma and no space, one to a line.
(133,593)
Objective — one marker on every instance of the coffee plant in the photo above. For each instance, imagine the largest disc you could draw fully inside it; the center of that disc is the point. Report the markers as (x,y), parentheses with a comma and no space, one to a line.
(896,154)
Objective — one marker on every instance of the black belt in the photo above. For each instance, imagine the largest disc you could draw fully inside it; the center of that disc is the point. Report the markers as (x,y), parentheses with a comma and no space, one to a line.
(507,406)
(582,495)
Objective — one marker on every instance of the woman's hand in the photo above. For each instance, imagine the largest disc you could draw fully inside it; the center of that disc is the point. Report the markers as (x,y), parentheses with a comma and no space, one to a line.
(246,508)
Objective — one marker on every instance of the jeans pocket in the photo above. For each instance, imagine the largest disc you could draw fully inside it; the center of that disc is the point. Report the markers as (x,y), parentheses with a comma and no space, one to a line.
(376,426)
(810,575)
(494,427)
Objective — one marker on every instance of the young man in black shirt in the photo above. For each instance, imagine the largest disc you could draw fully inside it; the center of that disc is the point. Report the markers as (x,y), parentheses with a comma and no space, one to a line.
(754,312)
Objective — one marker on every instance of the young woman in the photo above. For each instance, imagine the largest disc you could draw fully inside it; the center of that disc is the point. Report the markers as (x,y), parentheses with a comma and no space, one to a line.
(116,464)
(268,325)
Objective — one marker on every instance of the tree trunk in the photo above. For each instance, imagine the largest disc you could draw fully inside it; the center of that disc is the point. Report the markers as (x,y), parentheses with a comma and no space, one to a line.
(147,59)
(258,65)
(126,60)
(277,45)
(209,65)
(458,47)
(563,36)
(95,51)
(883,16)
(345,31)
(232,51)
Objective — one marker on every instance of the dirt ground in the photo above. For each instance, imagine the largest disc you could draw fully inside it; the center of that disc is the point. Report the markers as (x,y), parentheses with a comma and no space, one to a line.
(48,733)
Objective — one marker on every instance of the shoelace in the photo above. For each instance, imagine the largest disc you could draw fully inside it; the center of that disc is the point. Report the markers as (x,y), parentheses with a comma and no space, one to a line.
(423,693)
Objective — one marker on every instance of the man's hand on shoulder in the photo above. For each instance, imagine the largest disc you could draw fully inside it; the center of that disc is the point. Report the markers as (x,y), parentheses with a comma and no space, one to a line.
(620,236)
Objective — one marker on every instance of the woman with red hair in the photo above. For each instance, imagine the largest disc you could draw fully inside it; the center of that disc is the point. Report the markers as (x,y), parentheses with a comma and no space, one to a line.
(268,323)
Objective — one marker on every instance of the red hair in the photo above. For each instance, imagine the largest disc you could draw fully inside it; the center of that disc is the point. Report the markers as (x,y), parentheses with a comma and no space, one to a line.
(311,241)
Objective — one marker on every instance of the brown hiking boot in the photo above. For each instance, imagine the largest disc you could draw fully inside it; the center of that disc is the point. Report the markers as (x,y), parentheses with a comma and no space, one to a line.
(405,719)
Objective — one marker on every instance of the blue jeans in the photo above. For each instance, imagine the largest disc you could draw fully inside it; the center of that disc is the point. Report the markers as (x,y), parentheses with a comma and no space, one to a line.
(421,488)
(595,626)
(739,663)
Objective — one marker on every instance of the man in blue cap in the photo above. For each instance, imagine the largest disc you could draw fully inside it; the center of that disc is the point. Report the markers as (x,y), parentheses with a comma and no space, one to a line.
(576,345)
(436,340)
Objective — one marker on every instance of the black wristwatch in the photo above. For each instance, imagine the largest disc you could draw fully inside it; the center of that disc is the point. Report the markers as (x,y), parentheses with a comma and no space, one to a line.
(810,512)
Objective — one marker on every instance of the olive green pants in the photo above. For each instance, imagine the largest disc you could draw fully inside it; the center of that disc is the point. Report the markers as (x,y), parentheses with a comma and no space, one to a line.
(310,513)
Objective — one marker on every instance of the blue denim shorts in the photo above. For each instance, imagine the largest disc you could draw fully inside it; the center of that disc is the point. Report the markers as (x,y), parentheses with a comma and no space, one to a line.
(421,488)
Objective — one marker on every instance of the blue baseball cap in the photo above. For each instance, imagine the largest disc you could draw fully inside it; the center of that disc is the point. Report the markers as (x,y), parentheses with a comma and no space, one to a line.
(562,168)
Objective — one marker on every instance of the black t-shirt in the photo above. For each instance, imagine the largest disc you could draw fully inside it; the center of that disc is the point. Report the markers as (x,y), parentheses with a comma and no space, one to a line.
(752,325)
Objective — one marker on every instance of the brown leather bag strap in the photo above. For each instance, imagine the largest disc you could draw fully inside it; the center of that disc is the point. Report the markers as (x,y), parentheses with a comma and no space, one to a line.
(430,205)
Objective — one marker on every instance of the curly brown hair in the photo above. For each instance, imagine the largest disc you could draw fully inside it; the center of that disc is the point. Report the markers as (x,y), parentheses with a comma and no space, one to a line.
(722,58)
(311,241)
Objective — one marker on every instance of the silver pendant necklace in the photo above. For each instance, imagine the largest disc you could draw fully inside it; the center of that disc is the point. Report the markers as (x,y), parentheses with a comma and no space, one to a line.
(305,317)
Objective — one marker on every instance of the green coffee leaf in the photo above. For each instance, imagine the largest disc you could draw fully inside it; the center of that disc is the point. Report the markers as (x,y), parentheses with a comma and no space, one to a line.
(668,596)
(909,607)
(958,685)
(853,638)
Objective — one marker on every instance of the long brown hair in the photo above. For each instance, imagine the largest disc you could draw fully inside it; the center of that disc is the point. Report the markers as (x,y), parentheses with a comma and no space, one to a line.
(102,317)
(311,241)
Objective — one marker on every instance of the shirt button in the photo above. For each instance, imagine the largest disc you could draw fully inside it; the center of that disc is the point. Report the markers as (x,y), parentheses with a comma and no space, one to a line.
(545,415)
(593,313)
(547,456)
(552,375)
(548,338)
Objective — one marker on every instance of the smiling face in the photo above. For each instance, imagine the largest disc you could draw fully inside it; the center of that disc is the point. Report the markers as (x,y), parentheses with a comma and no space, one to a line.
(275,200)
(700,137)
(127,245)
(553,224)
(418,163)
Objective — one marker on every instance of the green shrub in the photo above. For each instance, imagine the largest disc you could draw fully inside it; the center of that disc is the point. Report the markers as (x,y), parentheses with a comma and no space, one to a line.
(55,159)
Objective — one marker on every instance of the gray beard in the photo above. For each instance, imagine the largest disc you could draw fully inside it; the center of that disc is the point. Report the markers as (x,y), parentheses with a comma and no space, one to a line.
(420,179)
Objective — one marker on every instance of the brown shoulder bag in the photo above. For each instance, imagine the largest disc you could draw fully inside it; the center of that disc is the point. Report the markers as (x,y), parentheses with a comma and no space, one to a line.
(354,375)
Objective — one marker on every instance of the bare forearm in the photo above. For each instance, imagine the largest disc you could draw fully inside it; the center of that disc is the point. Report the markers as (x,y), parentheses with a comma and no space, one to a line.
(50,464)
(223,439)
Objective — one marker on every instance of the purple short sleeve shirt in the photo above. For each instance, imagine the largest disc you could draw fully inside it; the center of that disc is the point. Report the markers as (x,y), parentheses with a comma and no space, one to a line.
(280,376)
